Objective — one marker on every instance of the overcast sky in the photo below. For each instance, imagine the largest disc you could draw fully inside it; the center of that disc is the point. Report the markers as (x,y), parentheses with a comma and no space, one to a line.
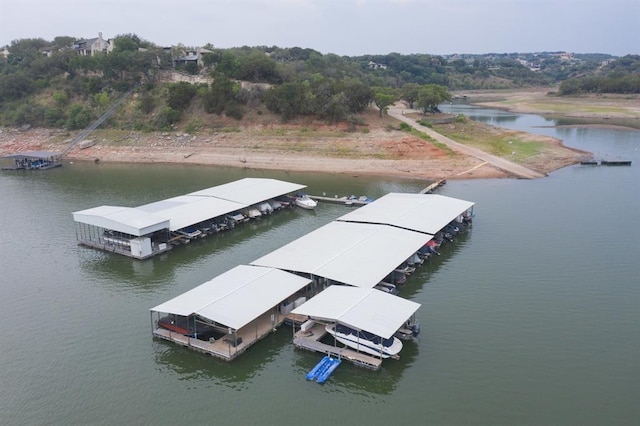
(343,27)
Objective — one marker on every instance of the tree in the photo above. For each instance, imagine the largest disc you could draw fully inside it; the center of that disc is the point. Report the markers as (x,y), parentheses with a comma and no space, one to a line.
(15,86)
(78,117)
(432,95)
(228,65)
(410,93)
(221,92)
(258,67)
(288,99)
(358,94)
(179,95)
(382,98)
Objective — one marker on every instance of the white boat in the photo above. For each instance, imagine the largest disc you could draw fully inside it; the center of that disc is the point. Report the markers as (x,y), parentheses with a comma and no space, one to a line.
(387,288)
(275,205)
(363,341)
(305,202)
(252,213)
(190,233)
(238,217)
(265,208)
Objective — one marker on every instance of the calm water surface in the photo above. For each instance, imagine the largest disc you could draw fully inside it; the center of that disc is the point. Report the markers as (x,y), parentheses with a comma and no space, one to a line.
(532,317)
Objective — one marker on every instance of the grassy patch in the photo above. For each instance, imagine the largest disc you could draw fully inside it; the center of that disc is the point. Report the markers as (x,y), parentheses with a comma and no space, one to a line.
(516,146)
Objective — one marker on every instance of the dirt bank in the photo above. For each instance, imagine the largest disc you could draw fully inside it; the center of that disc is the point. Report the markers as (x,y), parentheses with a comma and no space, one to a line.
(377,147)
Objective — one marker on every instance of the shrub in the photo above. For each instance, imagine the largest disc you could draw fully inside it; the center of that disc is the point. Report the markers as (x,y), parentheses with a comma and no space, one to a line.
(167,117)
(234,109)
(78,117)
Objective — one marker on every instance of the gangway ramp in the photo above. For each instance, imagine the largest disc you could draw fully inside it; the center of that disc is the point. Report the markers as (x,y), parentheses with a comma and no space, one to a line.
(86,132)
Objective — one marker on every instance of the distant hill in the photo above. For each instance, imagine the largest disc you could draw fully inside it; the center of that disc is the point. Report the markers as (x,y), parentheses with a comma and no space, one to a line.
(68,82)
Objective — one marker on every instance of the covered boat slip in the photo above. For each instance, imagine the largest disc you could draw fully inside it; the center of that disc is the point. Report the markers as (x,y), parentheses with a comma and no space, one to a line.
(145,231)
(187,210)
(241,305)
(427,213)
(33,160)
(357,254)
(122,230)
(368,310)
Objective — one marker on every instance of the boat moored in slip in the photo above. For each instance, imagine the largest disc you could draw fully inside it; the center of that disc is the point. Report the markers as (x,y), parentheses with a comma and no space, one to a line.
(366,342)
(305,202)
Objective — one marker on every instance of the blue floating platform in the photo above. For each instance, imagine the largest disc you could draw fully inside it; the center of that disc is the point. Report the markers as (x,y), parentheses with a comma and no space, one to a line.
(323,369)
(313,374)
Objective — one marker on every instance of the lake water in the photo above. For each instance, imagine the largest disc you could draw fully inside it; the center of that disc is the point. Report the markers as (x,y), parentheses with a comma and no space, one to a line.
(532,317)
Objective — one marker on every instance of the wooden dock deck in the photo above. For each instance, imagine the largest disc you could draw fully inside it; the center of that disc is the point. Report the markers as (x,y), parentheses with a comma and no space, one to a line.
(310,341)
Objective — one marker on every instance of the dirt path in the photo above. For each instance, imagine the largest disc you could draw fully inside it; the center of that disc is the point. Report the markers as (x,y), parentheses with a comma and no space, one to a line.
(501,163)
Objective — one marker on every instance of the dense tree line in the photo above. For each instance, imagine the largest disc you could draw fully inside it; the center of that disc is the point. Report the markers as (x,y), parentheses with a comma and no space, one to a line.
(620,76)
(65,89)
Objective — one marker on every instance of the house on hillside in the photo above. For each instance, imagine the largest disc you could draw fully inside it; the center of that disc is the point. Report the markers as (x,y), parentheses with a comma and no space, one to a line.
(376,66)
(92,46)
(190,56)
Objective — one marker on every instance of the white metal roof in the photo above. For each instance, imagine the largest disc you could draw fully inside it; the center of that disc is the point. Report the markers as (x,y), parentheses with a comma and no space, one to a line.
(33,154)
(357,254)
(187,210)
(250,190)
(427,213)
(370,310)
(236,297)
(122,219)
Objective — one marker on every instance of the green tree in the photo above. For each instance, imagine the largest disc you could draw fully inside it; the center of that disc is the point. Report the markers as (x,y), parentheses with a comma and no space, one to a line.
(288,99)
(432,95)
(410,93)
(222,91)
(78,117)
(382,98)
(15,86)
(258,67)
(179,95)
(228,65)
(358,94)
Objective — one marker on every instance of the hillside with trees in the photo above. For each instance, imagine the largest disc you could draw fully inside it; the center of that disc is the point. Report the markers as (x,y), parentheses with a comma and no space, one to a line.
(61,84)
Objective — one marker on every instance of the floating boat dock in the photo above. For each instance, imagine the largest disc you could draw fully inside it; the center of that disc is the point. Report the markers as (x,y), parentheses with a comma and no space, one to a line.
(604,162)
(211,310)
(325,288)
(33,160)
(154,228)
(615,162)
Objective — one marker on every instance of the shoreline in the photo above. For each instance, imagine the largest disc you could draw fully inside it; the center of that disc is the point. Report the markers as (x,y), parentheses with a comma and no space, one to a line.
(306,146)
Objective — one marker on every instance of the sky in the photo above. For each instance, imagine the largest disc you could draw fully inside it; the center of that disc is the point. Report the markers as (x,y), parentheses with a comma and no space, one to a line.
(342,27)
